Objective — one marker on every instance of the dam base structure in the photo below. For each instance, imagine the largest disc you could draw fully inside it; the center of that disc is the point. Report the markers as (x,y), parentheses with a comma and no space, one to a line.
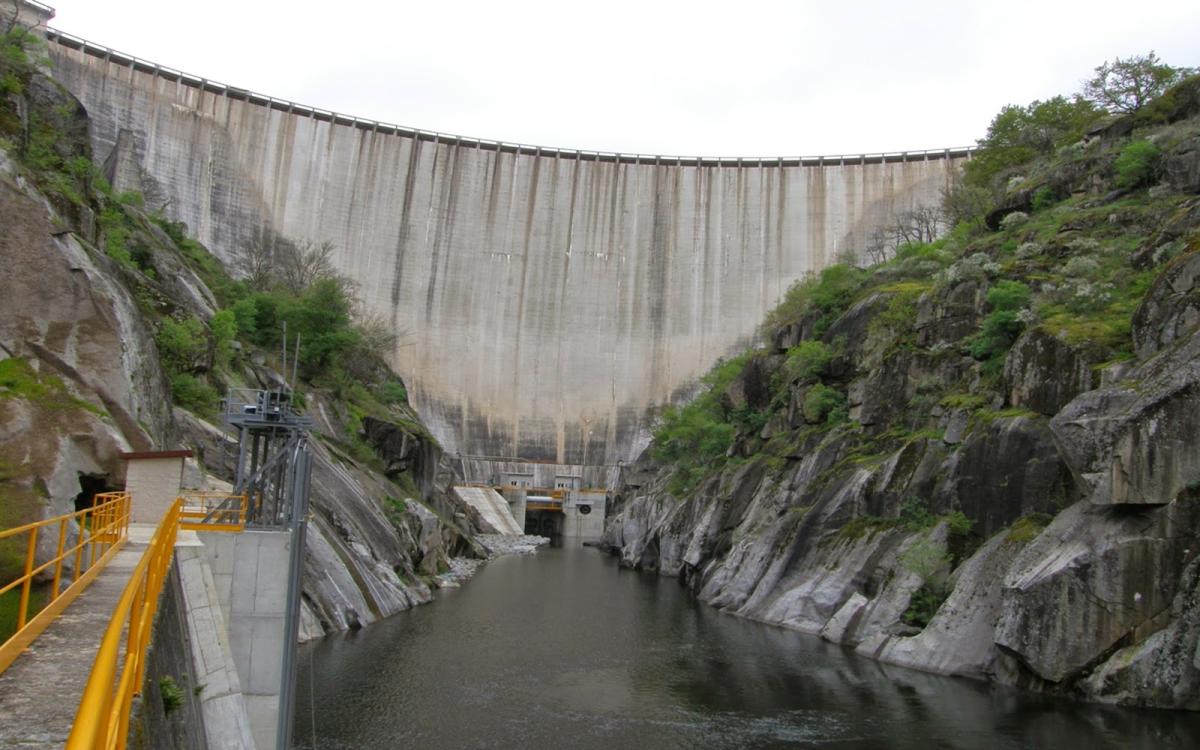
(547,302)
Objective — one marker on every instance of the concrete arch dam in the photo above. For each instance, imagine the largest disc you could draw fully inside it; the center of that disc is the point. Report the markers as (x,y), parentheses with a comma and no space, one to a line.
(546,301)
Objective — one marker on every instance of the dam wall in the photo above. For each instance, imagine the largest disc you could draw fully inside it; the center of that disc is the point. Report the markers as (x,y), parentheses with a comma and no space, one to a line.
(546,301)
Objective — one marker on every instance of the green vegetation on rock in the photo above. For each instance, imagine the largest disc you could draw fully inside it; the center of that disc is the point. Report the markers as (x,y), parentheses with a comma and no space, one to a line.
(905,382)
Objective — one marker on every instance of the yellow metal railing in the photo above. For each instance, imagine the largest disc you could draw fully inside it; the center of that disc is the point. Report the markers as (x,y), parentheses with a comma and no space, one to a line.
(103,717)
(101,533)
(214,511)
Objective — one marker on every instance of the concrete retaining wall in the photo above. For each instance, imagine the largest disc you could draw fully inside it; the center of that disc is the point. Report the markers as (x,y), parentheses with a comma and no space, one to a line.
(170,656)
(249,573)
(546,300)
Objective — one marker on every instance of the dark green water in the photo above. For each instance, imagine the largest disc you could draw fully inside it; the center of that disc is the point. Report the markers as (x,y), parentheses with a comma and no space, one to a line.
(566,650)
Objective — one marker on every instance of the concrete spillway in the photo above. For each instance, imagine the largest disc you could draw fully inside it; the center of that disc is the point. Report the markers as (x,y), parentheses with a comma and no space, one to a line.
(546,300)
(492,509)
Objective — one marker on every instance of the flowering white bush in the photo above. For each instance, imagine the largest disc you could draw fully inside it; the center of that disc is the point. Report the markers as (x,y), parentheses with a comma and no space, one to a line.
(1081,266)
(1029,250)
(1015,219)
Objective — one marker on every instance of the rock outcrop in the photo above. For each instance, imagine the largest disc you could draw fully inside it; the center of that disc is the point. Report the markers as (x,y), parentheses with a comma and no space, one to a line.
(1022,510)
(81,380)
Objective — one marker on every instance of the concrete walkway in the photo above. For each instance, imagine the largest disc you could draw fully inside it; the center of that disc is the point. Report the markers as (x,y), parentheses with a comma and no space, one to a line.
(40,692)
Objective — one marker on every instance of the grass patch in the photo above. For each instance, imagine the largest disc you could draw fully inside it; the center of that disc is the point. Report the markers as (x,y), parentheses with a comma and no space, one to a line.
(18,379)
(988,416)
(10,604)
(866,526)
(969,401)
(172,694)
(1027,528)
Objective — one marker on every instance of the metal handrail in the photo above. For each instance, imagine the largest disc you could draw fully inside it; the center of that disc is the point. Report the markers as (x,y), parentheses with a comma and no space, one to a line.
(214,511)
(103,531)
(283,105)
(39,6)
(102,720)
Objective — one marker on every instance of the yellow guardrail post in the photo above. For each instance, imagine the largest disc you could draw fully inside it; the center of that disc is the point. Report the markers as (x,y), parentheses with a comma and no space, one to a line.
(30,549)
(102,720)
(58,556)
(103,538)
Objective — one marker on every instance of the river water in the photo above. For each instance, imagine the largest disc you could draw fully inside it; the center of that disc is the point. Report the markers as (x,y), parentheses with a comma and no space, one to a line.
(563,649)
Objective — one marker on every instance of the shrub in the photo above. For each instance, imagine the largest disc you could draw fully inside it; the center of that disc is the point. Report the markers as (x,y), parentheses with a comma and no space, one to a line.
(914,513)
(224,330)
(1013,220)
(824,404)
(1002,326)
(172,694)
(929,561)
(807,360)
(1137,165)
(193,394)
(923,605)
(1044,198)
(1018,134)
(392,392)
(182,345)
(828,293)
(1008,295)
(696,437)
(1026,528)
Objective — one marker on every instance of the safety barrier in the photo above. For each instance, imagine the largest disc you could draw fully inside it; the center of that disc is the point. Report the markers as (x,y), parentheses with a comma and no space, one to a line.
(213,511)
(102,720)
(202,84)
(102,531)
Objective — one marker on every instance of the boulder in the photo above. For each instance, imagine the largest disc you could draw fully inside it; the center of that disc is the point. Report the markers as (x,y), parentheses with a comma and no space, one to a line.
(1171,308)
(1181,166)
(948,317)
(1095,579)
(1134,442)
(1043,374)
(1164,669)
(1006,468)
(403,450)
(959,640)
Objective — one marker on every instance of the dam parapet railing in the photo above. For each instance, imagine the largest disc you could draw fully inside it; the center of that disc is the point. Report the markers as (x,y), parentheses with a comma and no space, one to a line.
(283,105)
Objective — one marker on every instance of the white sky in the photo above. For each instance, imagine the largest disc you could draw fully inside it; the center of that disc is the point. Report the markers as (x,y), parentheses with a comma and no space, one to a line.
(734,78)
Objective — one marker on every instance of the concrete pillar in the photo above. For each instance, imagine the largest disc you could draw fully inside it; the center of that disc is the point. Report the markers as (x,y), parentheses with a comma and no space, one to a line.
(516,503)
(153,479)
(583,515)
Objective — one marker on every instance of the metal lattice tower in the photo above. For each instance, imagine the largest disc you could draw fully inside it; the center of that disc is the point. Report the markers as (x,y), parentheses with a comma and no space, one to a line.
(273,461)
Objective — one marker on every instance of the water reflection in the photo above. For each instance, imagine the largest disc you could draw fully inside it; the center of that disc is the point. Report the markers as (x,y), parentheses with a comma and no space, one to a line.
(566,650)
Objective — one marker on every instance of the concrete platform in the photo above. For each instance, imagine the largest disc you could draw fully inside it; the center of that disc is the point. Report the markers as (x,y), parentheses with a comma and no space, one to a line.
(40,692)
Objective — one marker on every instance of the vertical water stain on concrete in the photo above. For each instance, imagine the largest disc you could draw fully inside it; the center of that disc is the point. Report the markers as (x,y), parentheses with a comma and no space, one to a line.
(549,310)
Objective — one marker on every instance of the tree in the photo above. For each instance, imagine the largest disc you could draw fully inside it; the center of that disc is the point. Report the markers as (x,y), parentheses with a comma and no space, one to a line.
(269,259)
(918,226)
(1018,134)
(1125,86)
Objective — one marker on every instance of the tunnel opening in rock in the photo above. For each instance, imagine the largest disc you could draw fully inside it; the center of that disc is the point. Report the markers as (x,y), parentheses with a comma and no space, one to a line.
(91,485)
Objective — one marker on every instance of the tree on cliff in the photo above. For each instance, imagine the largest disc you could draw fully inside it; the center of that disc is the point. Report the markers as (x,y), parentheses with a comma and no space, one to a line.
(1019,134)
(1125,86)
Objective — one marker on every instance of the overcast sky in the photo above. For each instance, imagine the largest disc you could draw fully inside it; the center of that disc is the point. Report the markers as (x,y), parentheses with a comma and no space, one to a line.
(735,78)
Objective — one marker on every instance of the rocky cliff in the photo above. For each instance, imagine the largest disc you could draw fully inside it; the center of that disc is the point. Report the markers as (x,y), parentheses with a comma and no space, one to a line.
(978,458)
(92,281)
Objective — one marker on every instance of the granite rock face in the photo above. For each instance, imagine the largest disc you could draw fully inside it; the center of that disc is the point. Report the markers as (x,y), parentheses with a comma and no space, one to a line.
(1080,572)
(86,383)
(82,382)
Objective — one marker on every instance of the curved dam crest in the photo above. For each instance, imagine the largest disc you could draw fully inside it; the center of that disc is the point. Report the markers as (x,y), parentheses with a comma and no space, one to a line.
(547,302)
